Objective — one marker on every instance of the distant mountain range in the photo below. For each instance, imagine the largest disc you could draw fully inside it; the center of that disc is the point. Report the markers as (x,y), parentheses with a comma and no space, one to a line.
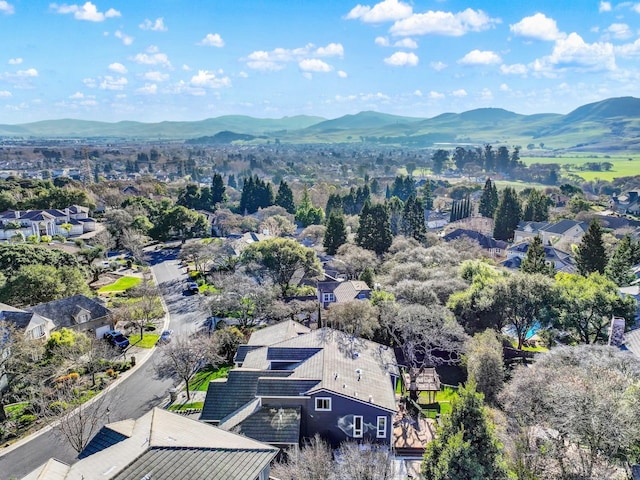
(608,125)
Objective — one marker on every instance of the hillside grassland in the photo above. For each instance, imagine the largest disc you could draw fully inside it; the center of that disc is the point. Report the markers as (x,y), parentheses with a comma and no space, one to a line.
(623,165)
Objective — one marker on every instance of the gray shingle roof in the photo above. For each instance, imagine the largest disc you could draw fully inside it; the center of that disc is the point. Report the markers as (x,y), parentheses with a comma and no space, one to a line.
(274,425)
(283,387)
(277,333)
(563,226)
(62,311)
(225,397)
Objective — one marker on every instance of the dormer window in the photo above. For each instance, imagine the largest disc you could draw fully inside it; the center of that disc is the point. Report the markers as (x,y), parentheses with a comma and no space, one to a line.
(328,297)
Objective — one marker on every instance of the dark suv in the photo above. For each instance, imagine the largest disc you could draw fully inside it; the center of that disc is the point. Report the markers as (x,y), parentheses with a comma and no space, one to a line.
(117,339)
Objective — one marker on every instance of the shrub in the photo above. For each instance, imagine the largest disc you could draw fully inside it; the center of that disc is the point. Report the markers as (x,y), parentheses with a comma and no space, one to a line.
(46,238)
(71,377)
(112,373)
(25,420)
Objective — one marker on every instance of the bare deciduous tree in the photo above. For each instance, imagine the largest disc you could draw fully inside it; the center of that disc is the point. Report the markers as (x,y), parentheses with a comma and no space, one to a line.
(358,318)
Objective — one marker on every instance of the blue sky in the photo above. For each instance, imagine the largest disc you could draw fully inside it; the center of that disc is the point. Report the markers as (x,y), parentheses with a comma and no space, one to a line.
(150,61)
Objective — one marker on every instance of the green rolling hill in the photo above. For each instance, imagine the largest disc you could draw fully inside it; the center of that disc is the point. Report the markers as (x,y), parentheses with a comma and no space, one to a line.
(608,125)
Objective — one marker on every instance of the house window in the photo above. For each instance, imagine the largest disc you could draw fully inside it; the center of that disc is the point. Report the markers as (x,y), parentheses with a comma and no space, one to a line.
(37,331)
(381,430)
(357,426)
(328,297)
(323,404)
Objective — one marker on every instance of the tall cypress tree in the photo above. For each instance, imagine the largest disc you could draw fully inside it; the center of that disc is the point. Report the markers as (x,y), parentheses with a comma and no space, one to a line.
(374,232)
(535,259)
(428,196)
(413,224)
(488,201)
(507,215)
(618,270)
(537,207)
(284,197)
(218,189)
(591,255)
(336,233)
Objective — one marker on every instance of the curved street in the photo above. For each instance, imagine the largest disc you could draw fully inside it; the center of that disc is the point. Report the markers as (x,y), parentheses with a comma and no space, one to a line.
(136,393)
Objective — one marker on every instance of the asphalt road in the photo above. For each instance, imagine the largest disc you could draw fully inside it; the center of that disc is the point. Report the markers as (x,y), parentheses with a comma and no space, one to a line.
(127,398)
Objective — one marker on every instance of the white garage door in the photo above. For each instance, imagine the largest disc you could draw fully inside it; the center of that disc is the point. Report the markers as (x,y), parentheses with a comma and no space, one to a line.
(100,331)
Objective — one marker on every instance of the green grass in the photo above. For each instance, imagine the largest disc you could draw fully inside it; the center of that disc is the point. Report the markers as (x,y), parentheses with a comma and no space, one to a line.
(121,285)
(15,410)
(201,379)
(622,166)
(185,406)
(148,340)
(443,397)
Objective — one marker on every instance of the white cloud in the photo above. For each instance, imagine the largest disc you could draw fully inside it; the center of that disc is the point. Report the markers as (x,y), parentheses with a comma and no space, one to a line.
(486,94)
(153,57)
(15,61)
(400,59)
(417,93)
(459,93)
(635,7)
(406,43)
(438,66)
(307,75)
(88,12)
(515,69)
(29,72)
(619,31)
(6,8)
(574,52)
(5,94)
(186,67)
(342,74)
(126,39)
(480,57)
(505,88)
(156,26)
(314,65)
(629,49)
(436,95)
(331,50)
(444,23)
(148,89)
(77,96)
(243,75)
(211,40)
(382,41)
(538,26)
(207,79)
(155,76)
(112,83)
(118,68)
(604,7)
(385,11)
(277,58)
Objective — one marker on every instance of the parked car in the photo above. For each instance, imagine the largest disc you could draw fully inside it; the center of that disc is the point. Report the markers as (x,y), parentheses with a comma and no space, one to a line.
(117,339)
(165,336)
(192,287)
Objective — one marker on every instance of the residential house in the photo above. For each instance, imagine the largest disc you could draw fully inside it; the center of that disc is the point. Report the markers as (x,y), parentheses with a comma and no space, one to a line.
(567,231)
(337,291)
(435,220)
(162,445)
(626,203)
(496,248)
(562,261)
(322,382)
(33,325)
(69,222)
(78,312)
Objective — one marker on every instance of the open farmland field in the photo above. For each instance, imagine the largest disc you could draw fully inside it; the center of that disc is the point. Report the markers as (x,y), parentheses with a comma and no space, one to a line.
(622,165)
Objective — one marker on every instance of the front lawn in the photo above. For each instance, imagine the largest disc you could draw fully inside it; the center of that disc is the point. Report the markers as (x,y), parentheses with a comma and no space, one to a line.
(148,340)
(186,406)
(201,379)
(121,285)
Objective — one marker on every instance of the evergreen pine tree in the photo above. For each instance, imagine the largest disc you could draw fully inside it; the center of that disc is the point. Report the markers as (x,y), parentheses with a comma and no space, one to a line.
(231,181)
(413,224)
(465,447)
(535,259)
(537,207)
(618,270)
(507,215)
(335,234)
(284,198)
(218,189)
(428,196)
(334,204)
(487,205)
(374,232)
(591,256)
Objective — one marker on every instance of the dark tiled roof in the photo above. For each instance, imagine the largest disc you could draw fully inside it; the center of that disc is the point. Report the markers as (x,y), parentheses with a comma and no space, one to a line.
(284,387)
(105,438)
(242,351)
(483,240)
(193,463)
(290,354)
(274,425)
(62,311)
(19,319)
(224,398)
(563,226)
